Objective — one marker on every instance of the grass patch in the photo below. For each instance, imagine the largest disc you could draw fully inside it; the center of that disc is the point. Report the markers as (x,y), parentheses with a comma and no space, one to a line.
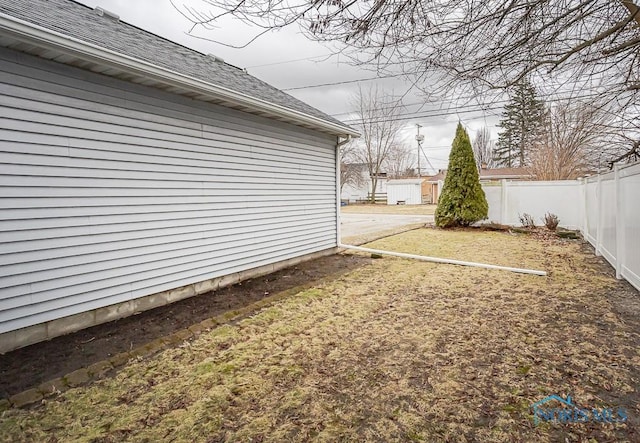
(398,350)
(389,209)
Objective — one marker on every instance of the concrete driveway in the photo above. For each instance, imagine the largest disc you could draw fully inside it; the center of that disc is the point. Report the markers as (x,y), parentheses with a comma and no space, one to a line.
(358,224)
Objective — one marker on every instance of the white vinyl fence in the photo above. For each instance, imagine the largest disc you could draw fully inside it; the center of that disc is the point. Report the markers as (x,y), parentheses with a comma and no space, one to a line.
(510,199)
(612,219)
(605,208)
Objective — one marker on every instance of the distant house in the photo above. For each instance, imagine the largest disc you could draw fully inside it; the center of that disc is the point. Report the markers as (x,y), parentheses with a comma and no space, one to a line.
(494,174)
(360,190)
(136,172)
(487,175)
(435,183)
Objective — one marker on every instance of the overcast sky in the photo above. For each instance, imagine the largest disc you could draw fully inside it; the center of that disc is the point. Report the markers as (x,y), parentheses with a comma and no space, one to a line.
(276,59)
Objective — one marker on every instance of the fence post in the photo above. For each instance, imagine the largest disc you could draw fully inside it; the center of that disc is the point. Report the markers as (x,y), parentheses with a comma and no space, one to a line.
(620,234)
(585,208)
(503,202)
(599,214)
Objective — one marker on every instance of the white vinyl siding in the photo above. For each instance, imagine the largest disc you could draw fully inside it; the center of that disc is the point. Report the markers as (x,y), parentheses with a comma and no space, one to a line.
(111,191)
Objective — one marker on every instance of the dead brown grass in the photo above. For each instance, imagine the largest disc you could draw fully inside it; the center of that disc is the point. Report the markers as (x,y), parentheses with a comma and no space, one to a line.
(389,209)
(396,351)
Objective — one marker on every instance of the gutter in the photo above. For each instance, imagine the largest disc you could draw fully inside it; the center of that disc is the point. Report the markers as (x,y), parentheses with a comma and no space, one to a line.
(43,37)
(339,144)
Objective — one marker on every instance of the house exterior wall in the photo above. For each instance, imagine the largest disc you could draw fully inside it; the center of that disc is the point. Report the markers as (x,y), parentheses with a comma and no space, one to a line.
(112,191)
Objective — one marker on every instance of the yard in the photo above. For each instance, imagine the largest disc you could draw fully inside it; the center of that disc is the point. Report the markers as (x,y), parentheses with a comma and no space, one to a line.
(389,209)
(394,350)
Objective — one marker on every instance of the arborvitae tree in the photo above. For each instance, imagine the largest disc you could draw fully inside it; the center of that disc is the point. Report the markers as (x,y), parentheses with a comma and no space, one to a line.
(462,200)
(521,122)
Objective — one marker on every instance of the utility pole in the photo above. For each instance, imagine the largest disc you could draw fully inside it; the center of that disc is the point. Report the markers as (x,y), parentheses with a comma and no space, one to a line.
(419,139)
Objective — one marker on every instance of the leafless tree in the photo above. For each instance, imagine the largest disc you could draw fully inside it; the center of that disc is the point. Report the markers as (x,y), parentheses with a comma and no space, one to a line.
(350,170)
(400,162)
(483,148)
(571,143)
(572,47)
(379,128)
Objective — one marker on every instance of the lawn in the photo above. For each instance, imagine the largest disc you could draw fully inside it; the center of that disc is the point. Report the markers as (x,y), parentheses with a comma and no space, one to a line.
(397,350)
(389,209)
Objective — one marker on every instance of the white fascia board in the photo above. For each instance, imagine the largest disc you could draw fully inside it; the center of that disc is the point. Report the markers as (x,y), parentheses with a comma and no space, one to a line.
(43,37)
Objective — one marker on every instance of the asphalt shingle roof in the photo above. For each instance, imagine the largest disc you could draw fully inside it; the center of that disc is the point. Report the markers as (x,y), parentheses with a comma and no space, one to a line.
(83,23)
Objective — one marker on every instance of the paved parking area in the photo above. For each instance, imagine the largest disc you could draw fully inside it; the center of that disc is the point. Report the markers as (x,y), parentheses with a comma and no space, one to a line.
(358,224)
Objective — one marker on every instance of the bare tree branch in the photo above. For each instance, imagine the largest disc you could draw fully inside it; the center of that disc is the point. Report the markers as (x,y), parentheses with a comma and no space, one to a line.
(474,46)
(379,135)
(572,141)
(400,162)
(483,148)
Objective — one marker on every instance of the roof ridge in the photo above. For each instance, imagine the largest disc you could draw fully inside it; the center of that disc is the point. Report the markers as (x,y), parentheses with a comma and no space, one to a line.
(69,22)
(146,31)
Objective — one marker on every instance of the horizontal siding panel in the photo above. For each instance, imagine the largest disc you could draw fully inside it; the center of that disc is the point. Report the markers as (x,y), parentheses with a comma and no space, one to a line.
(56,297)
(38,261)
(94,249)
(111,191)
(90,133)
(201,230)
(242,190)
(107,232)
(31,170)
(93,211)
(135,201)
(106,168)
(201,156)
(155,105)
(112,295)
(226,168)
(225,144)
(63,277)
(86,138)
(34,108)
(267,215)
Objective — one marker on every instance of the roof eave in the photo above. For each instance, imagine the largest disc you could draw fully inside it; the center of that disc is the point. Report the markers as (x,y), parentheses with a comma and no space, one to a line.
(46,38)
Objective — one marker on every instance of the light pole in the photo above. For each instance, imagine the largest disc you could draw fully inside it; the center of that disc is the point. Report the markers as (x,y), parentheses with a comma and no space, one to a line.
(419,139)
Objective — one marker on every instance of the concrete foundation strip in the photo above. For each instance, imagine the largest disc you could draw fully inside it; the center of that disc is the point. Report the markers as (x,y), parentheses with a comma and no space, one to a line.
(443,260)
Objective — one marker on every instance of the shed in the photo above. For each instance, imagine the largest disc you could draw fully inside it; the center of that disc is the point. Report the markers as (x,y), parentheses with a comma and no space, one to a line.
(409,191)
(136,172)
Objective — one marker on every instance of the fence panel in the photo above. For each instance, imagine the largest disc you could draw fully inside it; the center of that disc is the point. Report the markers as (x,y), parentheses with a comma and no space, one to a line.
(604,207)
(511,199)
(493,192)
(591,200)
(608,218)
(630,213)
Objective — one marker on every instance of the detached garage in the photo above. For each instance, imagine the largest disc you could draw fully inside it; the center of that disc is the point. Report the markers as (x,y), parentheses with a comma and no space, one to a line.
(135,172)
(408,191)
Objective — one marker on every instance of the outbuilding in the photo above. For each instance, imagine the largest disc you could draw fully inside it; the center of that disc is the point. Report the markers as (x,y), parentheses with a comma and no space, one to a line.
(409,191)
(135,172)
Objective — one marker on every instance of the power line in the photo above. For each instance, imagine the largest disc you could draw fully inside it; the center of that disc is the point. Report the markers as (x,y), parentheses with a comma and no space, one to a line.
(409,116)
(465,109)
(342,82)
(381,109)
(284,62)
(549,96)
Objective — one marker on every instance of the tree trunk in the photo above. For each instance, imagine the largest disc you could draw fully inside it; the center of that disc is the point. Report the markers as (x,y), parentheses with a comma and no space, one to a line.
(374,185)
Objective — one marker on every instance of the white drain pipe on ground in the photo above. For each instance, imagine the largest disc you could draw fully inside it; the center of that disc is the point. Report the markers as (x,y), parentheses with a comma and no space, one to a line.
(443,260)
